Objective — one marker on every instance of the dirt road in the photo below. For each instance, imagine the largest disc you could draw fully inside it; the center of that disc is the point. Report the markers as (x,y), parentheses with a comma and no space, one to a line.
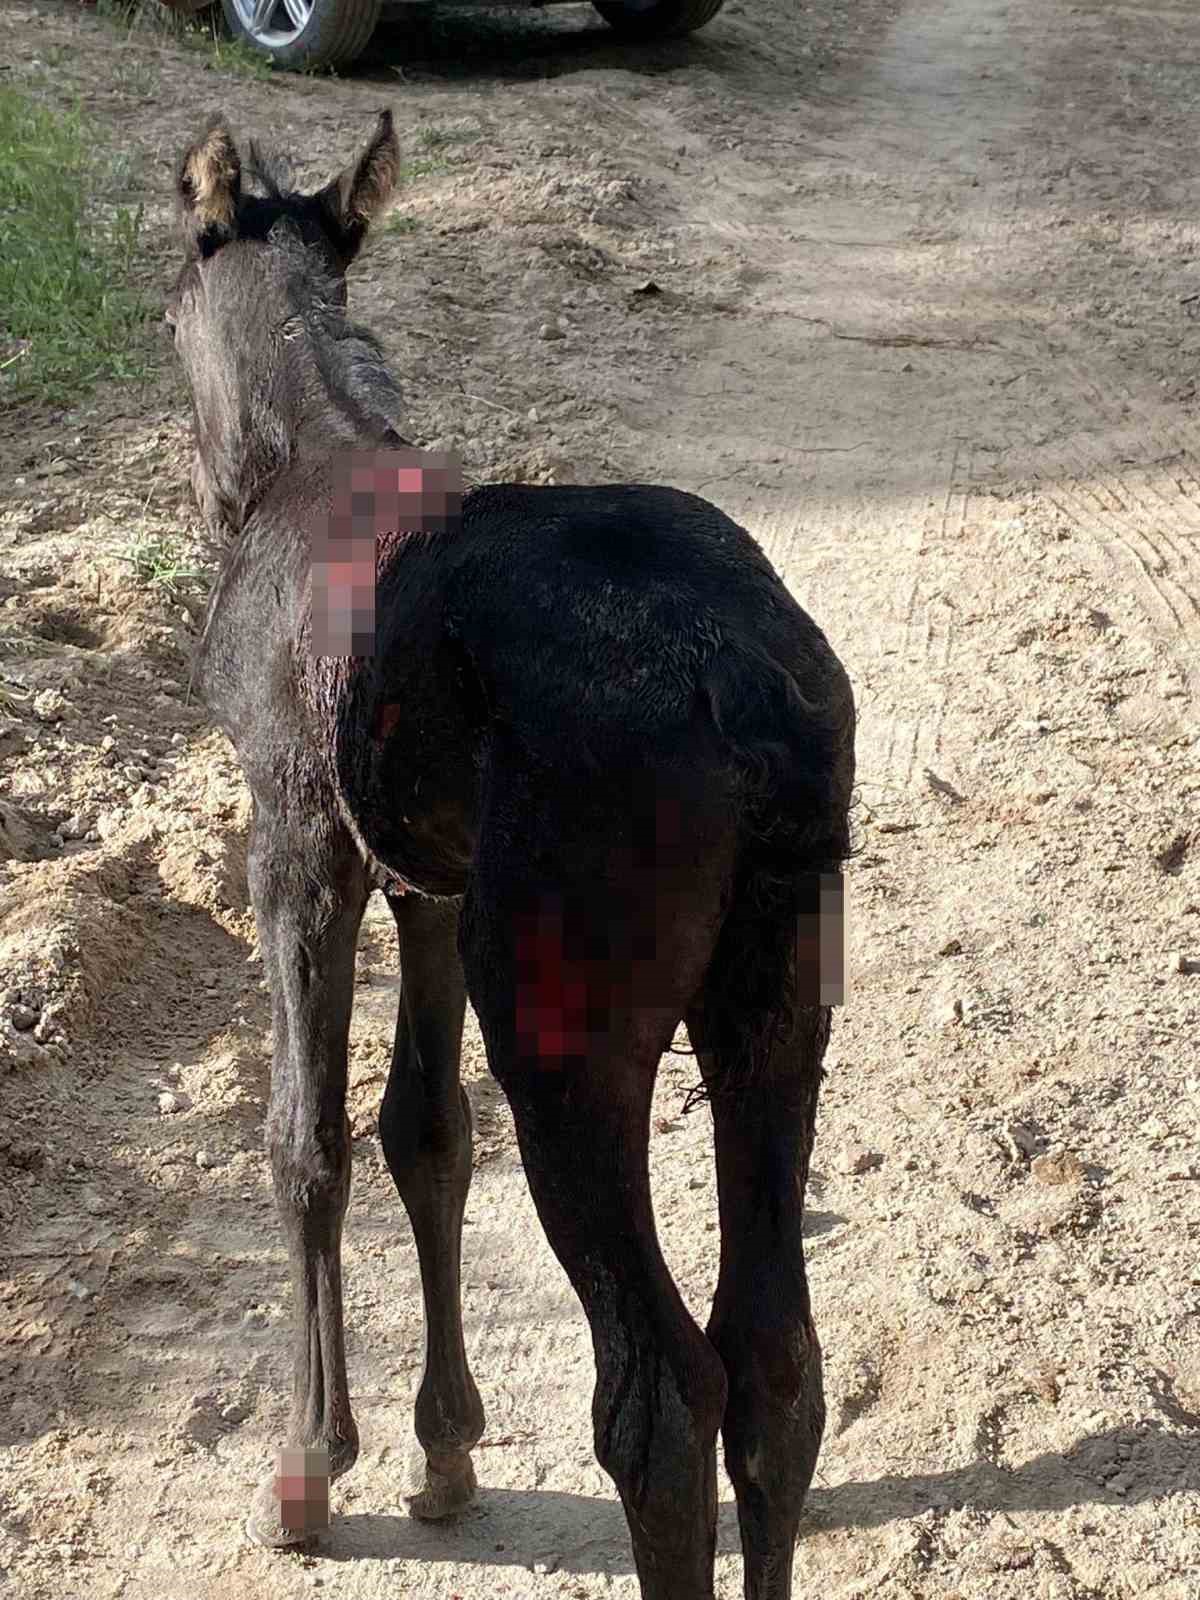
(927,276)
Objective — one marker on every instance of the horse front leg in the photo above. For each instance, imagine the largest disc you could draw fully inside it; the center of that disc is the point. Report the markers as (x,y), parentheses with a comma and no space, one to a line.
(309,891)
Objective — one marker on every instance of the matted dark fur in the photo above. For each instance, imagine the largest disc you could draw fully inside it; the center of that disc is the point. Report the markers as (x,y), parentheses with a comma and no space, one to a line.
(598,762)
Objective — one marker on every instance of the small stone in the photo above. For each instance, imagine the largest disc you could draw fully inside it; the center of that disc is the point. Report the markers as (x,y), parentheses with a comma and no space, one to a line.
(907,367)
(23,1018)
(95,1205)
(107,824)
(49,706)
(169,1103)
(857,1159)
(235,1413)
(1178,962)
(107,745)
(951,1012)
(1020,1142)
(952,947)
(205,1160)
(74,827)
(178,741)
(1057,1166)
(550,330)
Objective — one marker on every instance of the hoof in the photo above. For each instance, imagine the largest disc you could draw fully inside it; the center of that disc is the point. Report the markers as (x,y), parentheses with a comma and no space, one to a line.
(443,1493)
(266,1528)
(261,1532)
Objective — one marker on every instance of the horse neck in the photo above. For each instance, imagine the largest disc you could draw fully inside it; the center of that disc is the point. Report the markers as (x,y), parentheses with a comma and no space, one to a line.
(253,441)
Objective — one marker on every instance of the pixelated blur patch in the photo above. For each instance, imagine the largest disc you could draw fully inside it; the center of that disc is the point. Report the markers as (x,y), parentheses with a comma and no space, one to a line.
(375,493)
(591,963)
(562,988)
(302,1488)
(821,942)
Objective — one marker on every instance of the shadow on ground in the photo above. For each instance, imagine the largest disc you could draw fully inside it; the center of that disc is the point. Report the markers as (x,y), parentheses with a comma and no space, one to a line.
(579,1533)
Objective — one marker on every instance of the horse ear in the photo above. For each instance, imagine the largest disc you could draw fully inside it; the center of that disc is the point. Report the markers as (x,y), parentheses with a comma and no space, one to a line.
(208,188)
(355,199)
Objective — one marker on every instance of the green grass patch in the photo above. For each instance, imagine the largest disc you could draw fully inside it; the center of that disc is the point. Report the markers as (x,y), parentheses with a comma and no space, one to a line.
(421,167)
(399,222)
(159,562)
(202,34)
(438,138)
(69,315)
(234,56)
(136,80)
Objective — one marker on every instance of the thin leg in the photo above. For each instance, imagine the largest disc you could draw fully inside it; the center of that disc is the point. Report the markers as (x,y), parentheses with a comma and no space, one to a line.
(309,895)
(425,1129)
(659,1389)
(761,1321)
(588,925)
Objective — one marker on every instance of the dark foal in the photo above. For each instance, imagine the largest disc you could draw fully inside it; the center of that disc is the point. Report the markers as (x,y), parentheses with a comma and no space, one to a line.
(599,762)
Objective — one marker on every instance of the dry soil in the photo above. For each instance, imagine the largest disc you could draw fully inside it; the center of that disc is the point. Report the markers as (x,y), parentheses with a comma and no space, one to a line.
(927,285)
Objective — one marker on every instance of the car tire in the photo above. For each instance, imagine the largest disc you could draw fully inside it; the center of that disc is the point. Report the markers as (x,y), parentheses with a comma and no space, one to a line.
(332,34)
(657,19)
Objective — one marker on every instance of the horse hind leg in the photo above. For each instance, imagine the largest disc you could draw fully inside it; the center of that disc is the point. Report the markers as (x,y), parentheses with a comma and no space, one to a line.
(761,1322)
(660,1387)
(577,1062)
(589,924)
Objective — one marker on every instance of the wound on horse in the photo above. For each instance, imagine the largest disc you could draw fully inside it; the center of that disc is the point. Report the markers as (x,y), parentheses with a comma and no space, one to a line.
(378,496)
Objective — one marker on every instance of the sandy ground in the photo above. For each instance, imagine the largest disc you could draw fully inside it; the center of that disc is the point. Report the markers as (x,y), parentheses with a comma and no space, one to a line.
(928,274)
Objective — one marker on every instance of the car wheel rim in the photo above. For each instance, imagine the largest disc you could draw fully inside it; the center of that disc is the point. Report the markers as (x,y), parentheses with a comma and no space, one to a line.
(273,23)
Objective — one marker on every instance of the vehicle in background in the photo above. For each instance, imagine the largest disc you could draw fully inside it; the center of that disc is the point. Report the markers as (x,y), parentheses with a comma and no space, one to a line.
(302,34)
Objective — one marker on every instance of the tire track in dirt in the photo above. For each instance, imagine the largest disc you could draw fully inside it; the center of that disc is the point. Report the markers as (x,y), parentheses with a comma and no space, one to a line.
(909,101)
(1131,517)
(939,634)
(1097,440)
(953,93)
